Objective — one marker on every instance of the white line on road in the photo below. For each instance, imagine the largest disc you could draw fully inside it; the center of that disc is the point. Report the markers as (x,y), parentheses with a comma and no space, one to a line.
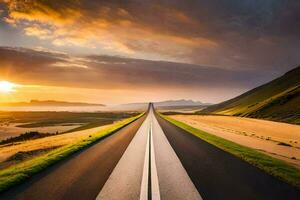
(150,173)
(154,178)
(144,185)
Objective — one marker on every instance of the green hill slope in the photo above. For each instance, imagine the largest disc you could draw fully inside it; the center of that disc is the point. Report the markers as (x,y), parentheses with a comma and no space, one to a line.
(278,100)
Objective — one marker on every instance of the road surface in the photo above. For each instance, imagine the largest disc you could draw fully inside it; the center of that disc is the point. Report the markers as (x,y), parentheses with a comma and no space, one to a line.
(152,159)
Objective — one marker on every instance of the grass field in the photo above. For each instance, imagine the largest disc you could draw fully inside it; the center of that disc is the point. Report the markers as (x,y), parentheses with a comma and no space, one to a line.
(13,124)
(273,166)
(20,172)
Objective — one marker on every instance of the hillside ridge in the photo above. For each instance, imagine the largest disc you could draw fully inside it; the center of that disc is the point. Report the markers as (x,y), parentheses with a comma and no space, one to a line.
(277,100)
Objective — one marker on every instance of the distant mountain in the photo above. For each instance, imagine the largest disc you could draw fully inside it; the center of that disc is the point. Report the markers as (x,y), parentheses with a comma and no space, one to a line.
(164,104)
(278,100)
(181,102)
(48,103)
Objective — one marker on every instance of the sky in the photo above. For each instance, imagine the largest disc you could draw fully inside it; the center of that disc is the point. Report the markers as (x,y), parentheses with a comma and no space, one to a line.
(121,51)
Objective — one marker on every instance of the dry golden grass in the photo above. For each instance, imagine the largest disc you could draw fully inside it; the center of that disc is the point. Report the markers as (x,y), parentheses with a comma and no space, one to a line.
(47,142)
(262,135)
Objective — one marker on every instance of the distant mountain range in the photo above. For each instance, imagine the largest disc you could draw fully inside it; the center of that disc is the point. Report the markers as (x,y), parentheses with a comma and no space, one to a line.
(278,100)
(182,103)
(48,103)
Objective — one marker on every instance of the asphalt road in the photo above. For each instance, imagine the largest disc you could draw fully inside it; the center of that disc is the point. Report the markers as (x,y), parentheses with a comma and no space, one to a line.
(82,175)
(149,168)
(220,175)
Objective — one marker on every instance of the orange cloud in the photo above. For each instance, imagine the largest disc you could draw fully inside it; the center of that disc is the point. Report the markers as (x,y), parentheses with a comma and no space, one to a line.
(42,11)
(42,33)
(199,32)
(107,27)
(110,75)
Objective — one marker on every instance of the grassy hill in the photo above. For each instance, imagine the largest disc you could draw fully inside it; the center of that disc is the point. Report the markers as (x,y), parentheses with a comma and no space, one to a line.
(278,100)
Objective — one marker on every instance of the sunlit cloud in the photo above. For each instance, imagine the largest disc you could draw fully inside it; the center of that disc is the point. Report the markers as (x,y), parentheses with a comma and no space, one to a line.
(106,27)
(65,64)
(38,32)
(112,73)
(231,35)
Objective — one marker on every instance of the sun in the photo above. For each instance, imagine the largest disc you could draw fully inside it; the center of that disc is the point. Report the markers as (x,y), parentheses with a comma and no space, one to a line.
(6,87)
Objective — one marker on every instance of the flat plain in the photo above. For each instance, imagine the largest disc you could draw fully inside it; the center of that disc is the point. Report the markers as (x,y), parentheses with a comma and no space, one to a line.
(14,123)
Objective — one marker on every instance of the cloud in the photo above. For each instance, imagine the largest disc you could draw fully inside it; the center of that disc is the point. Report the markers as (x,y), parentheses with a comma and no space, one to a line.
(37,31)
(112,25)
(229,34)
(28,66)
(54,12)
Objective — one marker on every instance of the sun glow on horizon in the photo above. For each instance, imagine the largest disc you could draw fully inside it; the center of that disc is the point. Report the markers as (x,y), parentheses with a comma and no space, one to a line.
(7,87)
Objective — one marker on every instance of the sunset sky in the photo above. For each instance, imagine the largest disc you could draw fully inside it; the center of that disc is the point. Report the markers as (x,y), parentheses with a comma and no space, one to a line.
(119,51)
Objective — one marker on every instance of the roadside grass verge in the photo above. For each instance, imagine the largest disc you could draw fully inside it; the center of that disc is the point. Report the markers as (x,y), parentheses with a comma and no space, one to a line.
(273,166)
(20,172)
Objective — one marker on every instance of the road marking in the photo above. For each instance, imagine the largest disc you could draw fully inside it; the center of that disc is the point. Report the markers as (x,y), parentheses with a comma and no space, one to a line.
(149,168)
(154,177)
(150,186)
(144,184)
